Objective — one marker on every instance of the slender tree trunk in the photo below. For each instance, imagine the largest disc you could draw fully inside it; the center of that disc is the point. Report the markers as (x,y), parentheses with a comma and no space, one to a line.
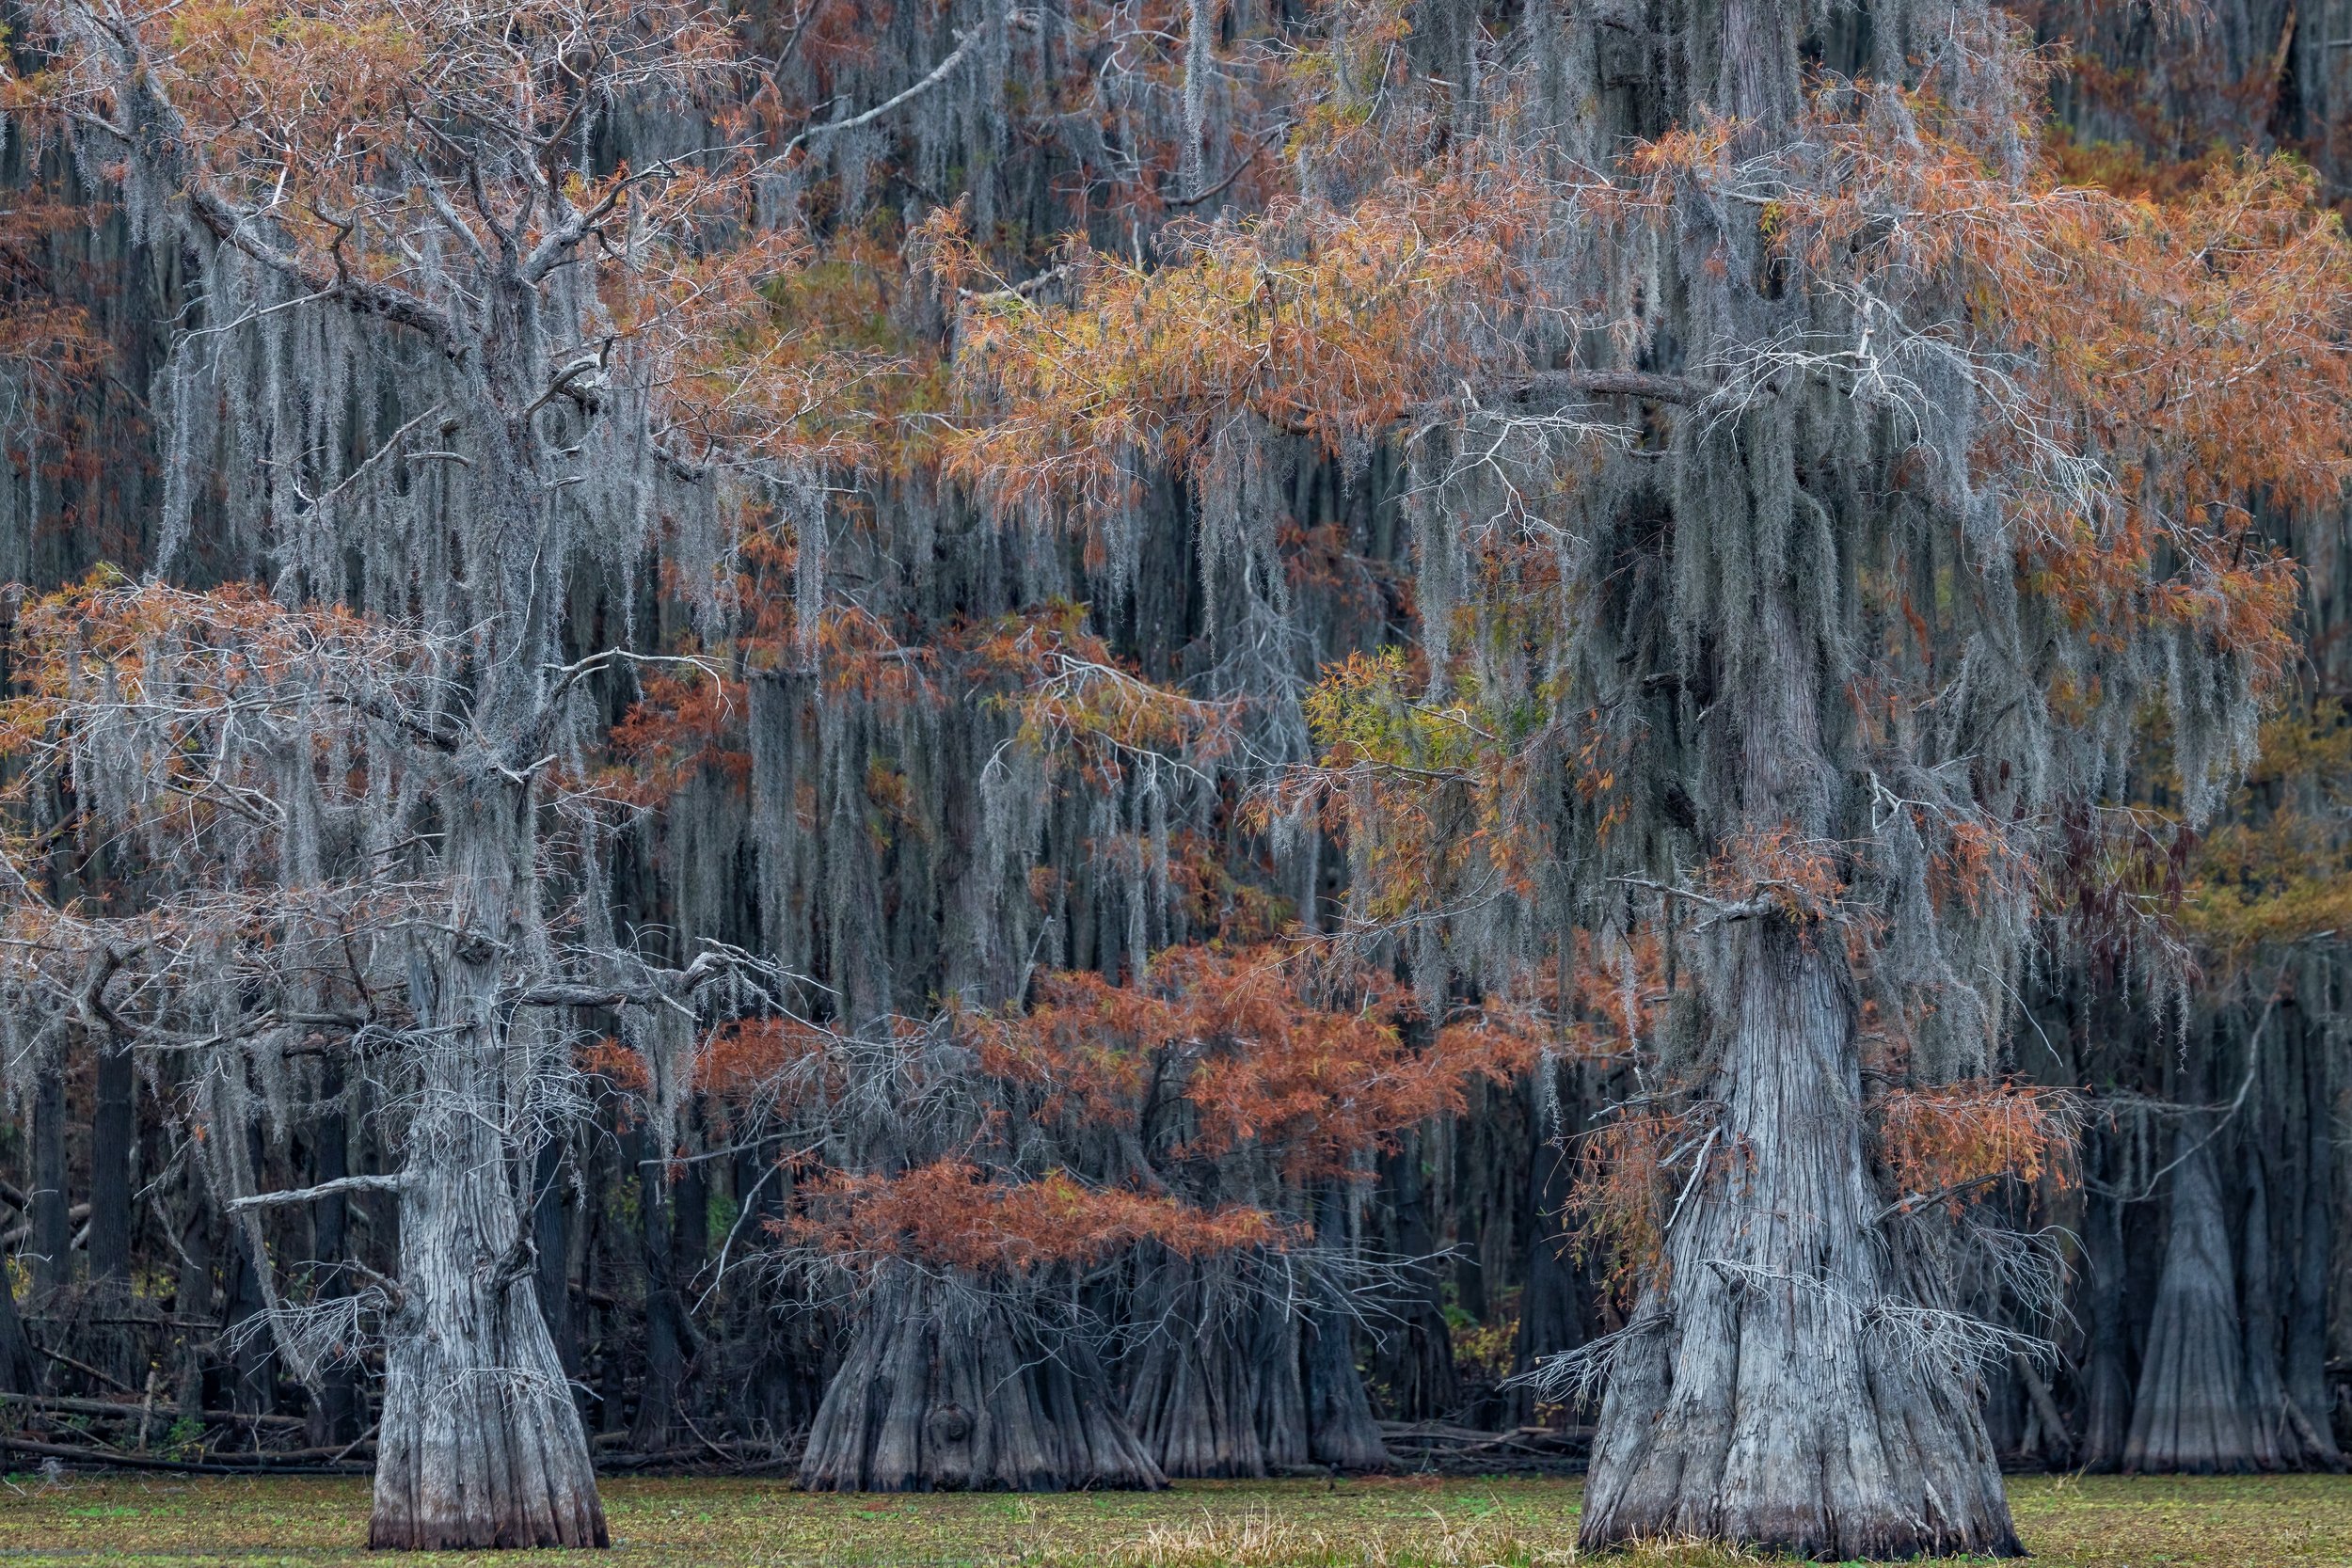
(1762,1395)
(1421,1378)
(551,1234)
(335,1419)
(53,1235)
(114,1132)
(193,1300)
(2106,1382)
(252,1359)
(2307,1320)
(2191,1411)
(114,1141)
(665,1315)
(1551,1306)
(945,1389)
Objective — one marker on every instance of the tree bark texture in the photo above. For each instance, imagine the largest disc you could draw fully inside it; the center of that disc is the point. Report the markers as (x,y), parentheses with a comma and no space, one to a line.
(945,1389)
(479,1444)
(1758,1399)
(52,1240)
(2192,1413)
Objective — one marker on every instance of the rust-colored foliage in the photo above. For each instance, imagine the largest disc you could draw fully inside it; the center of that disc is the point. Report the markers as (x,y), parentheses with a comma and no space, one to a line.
(954,1213)
(1942,1144)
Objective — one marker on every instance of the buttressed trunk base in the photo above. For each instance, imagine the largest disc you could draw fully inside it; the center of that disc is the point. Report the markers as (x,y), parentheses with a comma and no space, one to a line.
(480,1446)
(942,1390)
(1768,1393)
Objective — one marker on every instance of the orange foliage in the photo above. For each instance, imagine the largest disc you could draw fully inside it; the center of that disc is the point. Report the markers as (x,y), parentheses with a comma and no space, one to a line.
(954,1213)
(621,1067)
(1311,1071)
(2145,338)
(1795,875)
(1323,322)
(676,729)
(1941,1143)
(753,1057)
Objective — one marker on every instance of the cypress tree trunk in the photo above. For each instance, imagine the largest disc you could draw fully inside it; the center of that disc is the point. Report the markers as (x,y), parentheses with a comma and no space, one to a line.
(1551,1308)
(1193,1388)
(479,1444)
(1419,1359)
(1761,1404)
(193,1297)
(2106,1384)
(1341,1430)
(2307,1385)
(551,1234)
(2265,1395)
(52,1240)
(114,1130)
(2191,1413)
(665,1316)
(113,1139)
(1780,1384)
(945,1389)
(252,1363)
(335,1419)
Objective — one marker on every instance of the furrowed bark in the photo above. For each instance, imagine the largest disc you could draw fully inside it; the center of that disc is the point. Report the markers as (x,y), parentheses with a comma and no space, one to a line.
(2106,1388)
(2306,1371)
(479,1444)
(1193,1387)
(945,1389)
(2191,1413)
(114,1137)
(336,1417)
(1551,1306)
(1420,1376)
(1756,1400)
(1783,1383)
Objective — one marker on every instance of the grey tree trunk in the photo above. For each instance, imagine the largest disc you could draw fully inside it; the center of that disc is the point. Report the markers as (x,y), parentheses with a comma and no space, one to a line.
(1193,1387)
(2191,1411)
(479,1444)
(945,1389)
(1758,1398)
(193,1298)
(52,1240)
(551,1234)
(114,1132)
(2307,1384)
(1419,1359)
(1783,1383)
(2106,1384)
(335,1417)
(1551,1306)
(113,1139)
(660,1202)
(1341,1430)
(2258,1315)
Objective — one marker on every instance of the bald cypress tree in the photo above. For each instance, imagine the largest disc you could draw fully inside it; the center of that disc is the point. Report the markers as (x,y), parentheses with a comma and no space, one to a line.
(1813,496)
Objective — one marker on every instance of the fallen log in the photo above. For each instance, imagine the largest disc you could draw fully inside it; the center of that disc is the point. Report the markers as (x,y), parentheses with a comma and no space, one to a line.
(292,1462)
